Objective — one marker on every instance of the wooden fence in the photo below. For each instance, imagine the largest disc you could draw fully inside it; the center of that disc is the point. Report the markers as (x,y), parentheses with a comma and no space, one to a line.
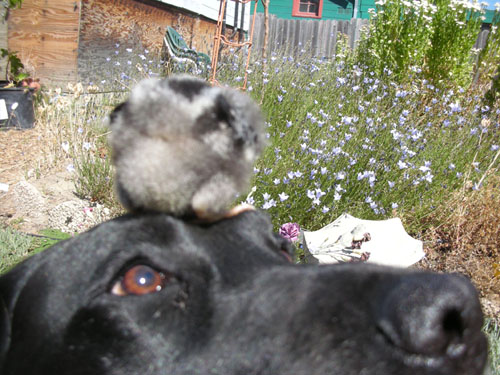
(318,37)
(292,36)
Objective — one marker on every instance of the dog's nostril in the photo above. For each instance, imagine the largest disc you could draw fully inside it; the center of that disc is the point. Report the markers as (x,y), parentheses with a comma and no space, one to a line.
(452,324)
(431,316)
(453,329)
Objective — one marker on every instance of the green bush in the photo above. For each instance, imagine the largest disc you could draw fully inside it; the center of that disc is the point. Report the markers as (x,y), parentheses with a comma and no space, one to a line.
(436,37)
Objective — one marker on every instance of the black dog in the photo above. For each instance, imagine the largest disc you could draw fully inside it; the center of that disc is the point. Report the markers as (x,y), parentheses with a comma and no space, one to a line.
(152,295)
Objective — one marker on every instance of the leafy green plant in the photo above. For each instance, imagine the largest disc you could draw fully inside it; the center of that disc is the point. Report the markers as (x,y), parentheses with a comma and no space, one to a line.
(48,237)
(16,246)
(94,177)
(456,26)
(398,36)
(14,70)
(14,66)
(436,37)
(11,4)
(13,248)
(492,330)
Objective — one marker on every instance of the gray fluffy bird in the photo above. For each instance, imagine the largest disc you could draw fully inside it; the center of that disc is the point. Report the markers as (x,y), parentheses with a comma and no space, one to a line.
(183,147)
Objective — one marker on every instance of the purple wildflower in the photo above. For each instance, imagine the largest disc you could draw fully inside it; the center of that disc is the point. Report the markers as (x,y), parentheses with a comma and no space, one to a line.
(290,231)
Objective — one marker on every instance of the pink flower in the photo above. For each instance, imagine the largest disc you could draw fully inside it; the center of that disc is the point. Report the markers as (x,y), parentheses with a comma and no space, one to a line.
(290,231)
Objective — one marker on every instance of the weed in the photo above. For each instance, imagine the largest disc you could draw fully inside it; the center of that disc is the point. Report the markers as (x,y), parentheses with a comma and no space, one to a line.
(93,177)
(16,246)
(13,248)
(492,330)
(463,235)
(48,238)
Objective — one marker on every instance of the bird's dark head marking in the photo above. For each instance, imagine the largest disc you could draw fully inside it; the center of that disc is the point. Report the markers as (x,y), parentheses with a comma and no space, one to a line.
(119,108)
(187,87)
(222,110)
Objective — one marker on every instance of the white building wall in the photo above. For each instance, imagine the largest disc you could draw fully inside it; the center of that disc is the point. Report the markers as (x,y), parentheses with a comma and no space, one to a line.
(210,9)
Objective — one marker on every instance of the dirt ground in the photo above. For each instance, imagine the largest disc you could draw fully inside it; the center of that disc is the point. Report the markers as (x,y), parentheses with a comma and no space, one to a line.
(34,195)
(22,159)
(19,149)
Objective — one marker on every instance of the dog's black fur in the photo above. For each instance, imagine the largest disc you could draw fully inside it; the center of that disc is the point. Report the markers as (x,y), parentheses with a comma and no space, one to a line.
(231,304)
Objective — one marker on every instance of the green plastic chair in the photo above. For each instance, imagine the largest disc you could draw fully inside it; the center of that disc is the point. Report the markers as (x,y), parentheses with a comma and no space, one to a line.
(180,51)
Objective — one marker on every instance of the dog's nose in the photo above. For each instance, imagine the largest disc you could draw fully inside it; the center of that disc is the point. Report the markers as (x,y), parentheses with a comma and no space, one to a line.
(430,314)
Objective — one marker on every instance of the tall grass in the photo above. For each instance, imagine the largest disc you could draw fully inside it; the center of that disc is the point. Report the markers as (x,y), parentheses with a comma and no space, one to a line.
(73,124)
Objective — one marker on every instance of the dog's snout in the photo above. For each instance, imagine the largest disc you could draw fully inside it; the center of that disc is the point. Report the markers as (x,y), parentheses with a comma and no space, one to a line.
(431,315)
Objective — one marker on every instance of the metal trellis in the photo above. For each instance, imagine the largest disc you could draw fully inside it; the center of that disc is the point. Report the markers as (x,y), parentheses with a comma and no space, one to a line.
(220,38)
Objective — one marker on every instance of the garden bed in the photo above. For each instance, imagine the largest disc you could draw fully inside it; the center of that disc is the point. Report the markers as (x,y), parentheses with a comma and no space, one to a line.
(23,153)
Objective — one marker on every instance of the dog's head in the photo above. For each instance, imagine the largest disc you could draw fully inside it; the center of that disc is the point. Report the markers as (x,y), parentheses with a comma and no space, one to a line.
(149,294)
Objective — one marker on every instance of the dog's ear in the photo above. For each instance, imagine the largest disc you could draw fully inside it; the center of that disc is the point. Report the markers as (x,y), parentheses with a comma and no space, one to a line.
(4,331)
(11,285)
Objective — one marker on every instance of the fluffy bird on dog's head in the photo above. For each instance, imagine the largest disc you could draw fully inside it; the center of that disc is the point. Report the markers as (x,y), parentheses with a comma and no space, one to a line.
(183,147)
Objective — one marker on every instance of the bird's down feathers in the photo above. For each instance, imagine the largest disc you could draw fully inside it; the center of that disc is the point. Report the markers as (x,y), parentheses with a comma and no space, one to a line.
(184,147)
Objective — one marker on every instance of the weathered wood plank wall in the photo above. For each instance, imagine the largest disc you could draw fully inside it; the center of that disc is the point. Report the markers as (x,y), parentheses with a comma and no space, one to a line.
(45,35)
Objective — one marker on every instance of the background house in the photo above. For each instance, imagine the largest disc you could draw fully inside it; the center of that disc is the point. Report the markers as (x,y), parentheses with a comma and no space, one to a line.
(312,9)
(328,9)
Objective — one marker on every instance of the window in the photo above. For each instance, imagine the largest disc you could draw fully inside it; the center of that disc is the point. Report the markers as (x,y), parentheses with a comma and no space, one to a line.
(307,8)
(344,11)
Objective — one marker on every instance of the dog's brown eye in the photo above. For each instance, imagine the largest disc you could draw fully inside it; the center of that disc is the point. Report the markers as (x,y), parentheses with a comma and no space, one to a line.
(139,280)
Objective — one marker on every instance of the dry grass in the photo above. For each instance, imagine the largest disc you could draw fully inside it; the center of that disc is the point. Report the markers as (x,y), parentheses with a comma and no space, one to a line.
(464,236)
(73,119)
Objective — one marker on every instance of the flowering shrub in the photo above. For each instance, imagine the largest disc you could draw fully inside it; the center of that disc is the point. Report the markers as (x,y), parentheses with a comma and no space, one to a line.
(435,36)
(346,139)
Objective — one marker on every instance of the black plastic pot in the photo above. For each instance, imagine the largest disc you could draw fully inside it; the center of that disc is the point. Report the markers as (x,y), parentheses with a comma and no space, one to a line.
(16,107)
